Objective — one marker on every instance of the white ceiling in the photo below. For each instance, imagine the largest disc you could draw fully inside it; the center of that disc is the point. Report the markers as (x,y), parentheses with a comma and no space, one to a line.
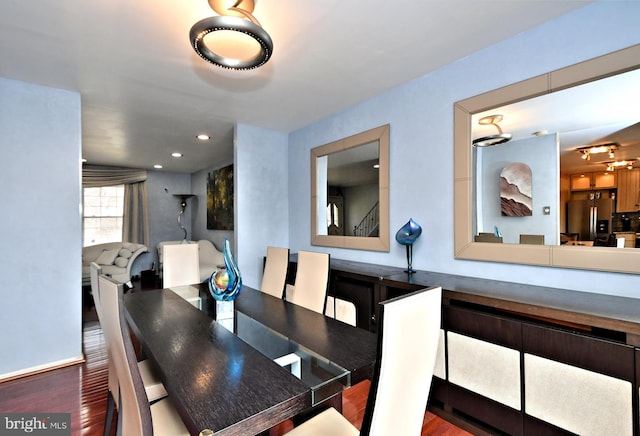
(599,112)
(145,93)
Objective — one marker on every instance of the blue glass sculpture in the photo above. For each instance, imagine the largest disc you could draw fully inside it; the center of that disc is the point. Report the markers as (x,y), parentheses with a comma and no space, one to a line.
(407,235)
(225,284)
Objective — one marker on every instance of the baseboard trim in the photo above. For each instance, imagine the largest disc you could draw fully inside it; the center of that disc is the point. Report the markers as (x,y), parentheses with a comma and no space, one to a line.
(42,368)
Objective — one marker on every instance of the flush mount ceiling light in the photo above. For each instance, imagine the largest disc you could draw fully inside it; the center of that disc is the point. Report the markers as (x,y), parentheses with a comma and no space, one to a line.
(491,140)
(597,149)
(235,39)
(620,164)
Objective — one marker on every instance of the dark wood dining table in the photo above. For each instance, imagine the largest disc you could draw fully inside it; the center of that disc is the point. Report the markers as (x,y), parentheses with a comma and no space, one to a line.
(219,382)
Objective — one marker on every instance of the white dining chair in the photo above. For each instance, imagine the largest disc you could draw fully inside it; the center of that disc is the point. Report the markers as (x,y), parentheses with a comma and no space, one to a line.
(312,279)
(340,309)
(153,386)
(407,346)
(135,415)
(181,269)
(532,239)
(274,275)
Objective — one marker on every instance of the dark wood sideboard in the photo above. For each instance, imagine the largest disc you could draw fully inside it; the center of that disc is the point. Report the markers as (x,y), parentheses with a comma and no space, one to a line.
(514,358)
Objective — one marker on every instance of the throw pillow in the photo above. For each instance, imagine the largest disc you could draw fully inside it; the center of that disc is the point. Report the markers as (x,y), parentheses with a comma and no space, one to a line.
(107,257)
(122,261)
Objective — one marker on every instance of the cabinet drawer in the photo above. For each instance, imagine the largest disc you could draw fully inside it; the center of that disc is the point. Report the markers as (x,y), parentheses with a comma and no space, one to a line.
(484,367)
(594,354)
(490,370)
(487,327)
(581,401)
(578,383)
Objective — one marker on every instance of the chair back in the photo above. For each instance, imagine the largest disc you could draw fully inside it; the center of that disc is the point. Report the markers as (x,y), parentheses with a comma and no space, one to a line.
(487,237)
(274,275)
(181,265)
(342,310)
(95,271)
(407,347)
(210,258)
(134,413)
(312,279)
(532,239)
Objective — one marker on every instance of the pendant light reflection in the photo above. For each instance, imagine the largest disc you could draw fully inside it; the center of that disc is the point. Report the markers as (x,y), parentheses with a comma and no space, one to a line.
(491,140)
(233,40)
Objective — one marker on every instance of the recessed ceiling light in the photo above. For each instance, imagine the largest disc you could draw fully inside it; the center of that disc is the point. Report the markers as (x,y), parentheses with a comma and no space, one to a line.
(176,154)
(157,166)
(83,160)
(203,137)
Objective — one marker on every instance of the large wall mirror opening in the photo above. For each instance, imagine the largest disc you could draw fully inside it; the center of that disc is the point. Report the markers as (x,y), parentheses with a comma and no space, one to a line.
(573,199)
(350,192)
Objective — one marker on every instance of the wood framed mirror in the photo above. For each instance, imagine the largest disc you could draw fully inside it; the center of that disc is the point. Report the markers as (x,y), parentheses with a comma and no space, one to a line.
(350,192)
(625,260)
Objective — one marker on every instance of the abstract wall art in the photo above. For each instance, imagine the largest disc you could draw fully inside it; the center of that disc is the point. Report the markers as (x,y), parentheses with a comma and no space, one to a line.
(220,199)
(515,190)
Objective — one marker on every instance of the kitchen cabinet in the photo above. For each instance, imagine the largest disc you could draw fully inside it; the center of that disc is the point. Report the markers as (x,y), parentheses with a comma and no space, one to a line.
(594,180)
(628,190)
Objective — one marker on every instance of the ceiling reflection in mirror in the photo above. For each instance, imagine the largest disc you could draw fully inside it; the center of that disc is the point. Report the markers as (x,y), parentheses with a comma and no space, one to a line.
(552,134)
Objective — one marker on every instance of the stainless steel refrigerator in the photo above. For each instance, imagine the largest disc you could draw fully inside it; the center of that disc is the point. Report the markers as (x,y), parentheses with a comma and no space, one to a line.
(590,218)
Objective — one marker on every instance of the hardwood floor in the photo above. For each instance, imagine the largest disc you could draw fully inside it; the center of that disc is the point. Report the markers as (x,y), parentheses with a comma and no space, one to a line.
(82,391)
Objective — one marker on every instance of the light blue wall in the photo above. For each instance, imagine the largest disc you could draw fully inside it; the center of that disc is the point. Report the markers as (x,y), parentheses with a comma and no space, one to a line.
(163,213)
(164,209)
(540,153)
(40,227)
(260,200)
(421,144)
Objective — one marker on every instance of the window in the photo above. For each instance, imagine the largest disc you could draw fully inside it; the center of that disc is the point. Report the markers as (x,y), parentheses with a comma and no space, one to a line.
(102,214)
(332,215)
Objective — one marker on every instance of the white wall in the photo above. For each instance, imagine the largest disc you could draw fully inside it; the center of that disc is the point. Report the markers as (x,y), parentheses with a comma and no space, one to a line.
(260,198)
(40,228)
(421,144)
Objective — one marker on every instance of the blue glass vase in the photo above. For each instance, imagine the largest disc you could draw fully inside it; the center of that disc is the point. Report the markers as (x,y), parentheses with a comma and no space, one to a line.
(225,283)
(407,235)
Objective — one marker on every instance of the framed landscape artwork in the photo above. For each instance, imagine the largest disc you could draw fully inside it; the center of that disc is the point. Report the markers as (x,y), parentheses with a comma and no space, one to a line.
(515,190)
(220,199)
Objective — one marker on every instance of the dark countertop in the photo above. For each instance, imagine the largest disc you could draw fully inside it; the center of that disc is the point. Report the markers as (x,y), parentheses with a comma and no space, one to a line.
(598,310)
